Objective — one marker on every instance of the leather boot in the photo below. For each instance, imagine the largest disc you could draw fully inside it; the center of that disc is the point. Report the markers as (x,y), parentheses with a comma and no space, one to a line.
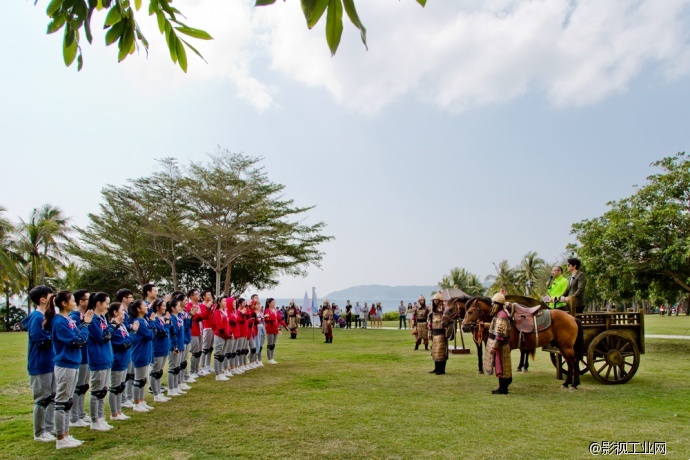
(416,346)
(441,368)
(502,387)
(426,346)
(435,371)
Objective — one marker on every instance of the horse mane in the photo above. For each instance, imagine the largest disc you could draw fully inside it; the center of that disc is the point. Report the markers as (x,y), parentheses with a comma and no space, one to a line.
(463,298)
(486,300)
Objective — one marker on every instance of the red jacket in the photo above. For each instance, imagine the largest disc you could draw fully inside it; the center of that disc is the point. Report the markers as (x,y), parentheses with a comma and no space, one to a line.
(221,325)
(234,320)
(196,320)
(249,316)
(206,315)
(273,320)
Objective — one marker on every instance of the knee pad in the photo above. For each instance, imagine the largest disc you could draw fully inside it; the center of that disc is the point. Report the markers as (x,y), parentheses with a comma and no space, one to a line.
(233,354)
(129,377)
(245,351)
(140,383)
(227,355)
(123,386)
(63,406)
(253,350)
(81,389)
(156,374)
(183,365)
(45,402)
(197,354)
(271,347)
(176,370)
(116,390)
(100,394)
(219,358)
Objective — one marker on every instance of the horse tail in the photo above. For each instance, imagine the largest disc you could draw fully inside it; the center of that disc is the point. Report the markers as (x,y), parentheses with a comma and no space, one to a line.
(579,341)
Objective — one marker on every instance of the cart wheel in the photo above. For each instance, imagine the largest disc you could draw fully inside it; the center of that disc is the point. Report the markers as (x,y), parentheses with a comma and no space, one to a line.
(613,357)
(564,368)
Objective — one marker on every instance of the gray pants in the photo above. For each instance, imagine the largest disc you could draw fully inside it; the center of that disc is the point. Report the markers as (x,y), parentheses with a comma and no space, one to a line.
(174,360)
(77,411)
(194,347)
(260,340)
(219,345)
(99,388)
(270,349)
(157,370)
(66,382)
(232,348)
(140,374)
(184,356)
(365,318)
(43,391)
(206,345)
(129,388)
(252,349)
(115,395)
(241,346)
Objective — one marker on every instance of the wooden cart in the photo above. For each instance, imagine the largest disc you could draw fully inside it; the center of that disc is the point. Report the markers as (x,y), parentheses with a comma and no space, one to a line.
(613,343)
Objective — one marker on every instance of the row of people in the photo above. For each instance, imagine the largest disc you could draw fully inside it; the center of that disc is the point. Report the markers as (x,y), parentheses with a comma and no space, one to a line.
(80,341)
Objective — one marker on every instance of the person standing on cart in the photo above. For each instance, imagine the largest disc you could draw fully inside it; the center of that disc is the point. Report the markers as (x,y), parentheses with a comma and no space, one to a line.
(575,294)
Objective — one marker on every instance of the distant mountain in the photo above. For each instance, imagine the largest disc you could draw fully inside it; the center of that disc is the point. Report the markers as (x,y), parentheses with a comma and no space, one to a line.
(375,292)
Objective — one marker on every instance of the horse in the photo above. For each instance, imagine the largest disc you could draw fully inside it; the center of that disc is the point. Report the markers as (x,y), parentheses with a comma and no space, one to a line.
(455,309)
(565,332)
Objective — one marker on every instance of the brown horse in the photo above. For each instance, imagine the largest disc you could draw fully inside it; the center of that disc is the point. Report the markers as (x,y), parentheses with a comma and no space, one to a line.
(565,332)
(455,309)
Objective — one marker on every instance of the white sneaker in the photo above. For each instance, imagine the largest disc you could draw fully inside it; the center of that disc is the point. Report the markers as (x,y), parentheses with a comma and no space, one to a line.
(50,436)
(180,391)
(65,443)
(102,420)
(190,380)
(147,406)
(43,437)
(74,441)
(184,386)
(140,407)
(221,377)
(119,417)
(193,376)
(203,373)
(86,420)
(98,426)
(272,361)
(128,403)
(160,398)
(79,424)
(174,393)
(260,364)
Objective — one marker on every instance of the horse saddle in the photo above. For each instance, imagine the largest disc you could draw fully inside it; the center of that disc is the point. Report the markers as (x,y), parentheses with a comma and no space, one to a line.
(528,318)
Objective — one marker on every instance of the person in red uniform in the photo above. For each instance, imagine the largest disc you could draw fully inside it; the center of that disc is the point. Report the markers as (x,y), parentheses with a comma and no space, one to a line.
(221,335)
(273,319)
(252,330)
(243,345)
(193,311)
(233,322)
(206,308)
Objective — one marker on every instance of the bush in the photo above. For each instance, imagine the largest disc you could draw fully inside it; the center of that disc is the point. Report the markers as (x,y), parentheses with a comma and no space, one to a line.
(9,318)
(391,316)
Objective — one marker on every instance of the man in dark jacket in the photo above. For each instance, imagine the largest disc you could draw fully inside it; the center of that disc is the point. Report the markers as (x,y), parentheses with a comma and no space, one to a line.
(575,294)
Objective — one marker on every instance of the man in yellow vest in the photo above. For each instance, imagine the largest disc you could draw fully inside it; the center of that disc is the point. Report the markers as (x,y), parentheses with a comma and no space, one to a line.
(557,286)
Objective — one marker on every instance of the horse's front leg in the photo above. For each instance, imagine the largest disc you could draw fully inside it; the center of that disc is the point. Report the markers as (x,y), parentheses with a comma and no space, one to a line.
(480,358)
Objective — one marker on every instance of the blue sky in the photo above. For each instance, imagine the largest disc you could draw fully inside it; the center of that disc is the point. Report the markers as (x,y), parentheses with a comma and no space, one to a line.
(469,132)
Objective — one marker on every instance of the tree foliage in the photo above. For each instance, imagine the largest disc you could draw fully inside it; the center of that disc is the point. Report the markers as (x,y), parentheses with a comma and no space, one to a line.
(73,18)
(640,247)
(461,278)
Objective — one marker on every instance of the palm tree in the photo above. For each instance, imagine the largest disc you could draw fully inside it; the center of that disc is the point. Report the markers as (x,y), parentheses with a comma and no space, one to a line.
(10,275)
(504,279)
(529,272)
(39,243)
(460,278)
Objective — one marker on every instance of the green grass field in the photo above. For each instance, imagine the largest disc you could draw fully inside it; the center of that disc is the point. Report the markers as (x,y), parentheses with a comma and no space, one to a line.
(368,395)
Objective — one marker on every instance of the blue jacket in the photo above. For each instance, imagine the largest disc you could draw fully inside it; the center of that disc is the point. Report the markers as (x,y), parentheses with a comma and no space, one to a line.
(76,316)
(176,333)
(99,347)
(142,351)
(69,339)
(161,339)
(187,327)
(122,348)
(40,354)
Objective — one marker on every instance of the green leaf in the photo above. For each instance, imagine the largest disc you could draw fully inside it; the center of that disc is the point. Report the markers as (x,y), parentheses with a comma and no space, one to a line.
(53,7)
(181,55)
(354,18)
(137,5)
(313,10)
(194,49)
(113,16)
(127,38)
(87,25)
(161,21)
(56,24)
(172,46)
(264,2)
(99,5)
(69,47)
(422,2)
(334,24)
(196,33)
(80,62)
(114,33)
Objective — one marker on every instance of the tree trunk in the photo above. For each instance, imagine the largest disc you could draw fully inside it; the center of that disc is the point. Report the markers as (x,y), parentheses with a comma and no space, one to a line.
(228,277)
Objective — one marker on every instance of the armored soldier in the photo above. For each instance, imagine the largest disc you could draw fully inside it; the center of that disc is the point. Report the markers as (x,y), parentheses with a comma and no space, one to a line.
(419,324)
(327,322)
(294,316)
(439,335)
(497,355)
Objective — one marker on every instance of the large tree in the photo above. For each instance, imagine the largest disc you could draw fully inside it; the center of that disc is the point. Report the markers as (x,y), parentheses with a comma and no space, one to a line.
(233,211)
(74,18)
(641,246)
(460,278)
(529,272)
